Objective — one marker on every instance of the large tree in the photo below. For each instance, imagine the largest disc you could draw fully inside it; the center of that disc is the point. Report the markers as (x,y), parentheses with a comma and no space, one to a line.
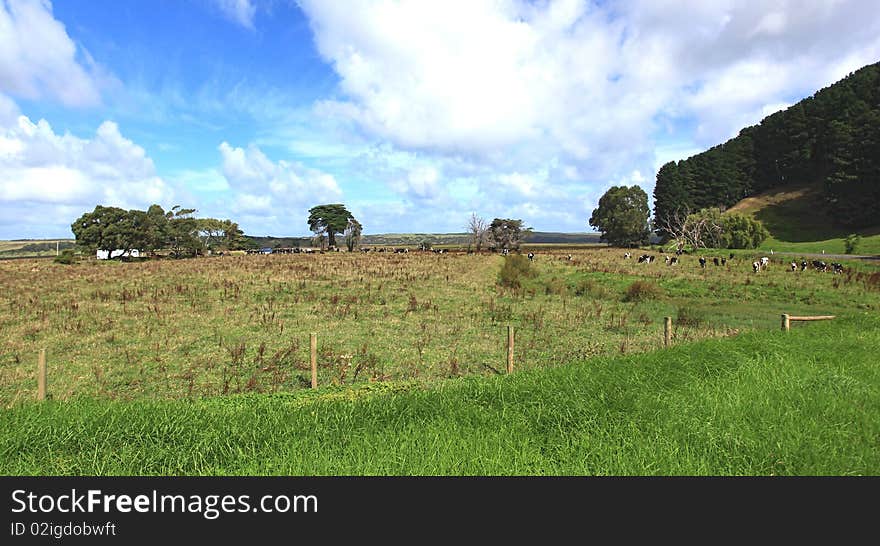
(507,234)
(330,219)
(101,229)
(183,232)
(219,234)
(622,216)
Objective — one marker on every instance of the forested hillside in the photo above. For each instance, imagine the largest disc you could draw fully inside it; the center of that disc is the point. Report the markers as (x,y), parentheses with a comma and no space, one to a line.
(831,139)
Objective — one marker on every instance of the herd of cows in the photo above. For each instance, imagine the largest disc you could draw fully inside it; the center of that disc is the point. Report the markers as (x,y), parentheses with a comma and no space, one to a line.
(757,265)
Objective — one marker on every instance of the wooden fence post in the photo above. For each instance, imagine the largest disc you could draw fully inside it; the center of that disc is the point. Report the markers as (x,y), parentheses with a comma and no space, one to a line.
(667,331)
(509,349)
(786,322)
(41,375)
(314,358)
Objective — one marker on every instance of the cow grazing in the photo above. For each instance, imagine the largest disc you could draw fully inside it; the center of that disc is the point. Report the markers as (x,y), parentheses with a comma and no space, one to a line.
(765,261)
(756,266)
(702,262)
(838,268)
(666,259)
(531,256)
(673,260)
(794,266)
(569,257)
(819,265)
(716,262)
(723,261)
(803,265)
(627,256)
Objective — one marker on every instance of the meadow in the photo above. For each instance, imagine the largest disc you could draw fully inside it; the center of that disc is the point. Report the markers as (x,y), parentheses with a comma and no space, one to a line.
(223,325)
(201,366)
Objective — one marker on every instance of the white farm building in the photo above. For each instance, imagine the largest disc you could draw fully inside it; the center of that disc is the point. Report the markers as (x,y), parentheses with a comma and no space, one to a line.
(118,253)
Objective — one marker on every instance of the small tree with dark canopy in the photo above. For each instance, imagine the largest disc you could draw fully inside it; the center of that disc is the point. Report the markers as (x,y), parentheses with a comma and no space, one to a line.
(622,216)
(507,233)
(330,219)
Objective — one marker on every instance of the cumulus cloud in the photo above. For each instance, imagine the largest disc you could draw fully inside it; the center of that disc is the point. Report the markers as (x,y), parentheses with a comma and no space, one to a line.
(563,97)
(466,75)
(64,175)
(263,186)
(38,58)
(238,11)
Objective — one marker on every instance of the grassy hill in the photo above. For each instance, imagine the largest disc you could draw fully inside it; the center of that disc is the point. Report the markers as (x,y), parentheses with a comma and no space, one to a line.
(797,221)
(33,247)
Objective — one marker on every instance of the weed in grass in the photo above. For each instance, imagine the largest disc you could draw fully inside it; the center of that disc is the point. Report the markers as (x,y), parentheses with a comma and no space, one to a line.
(642,291)
(690,316)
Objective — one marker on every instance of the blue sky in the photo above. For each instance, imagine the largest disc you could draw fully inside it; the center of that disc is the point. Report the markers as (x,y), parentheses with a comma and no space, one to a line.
(412,113)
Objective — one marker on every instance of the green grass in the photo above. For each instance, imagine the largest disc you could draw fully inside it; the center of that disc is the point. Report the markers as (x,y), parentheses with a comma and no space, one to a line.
(762,403)
(795,217)
(868,246)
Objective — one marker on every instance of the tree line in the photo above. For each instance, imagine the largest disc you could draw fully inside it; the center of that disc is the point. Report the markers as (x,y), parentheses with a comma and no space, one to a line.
(177,230)
(831,139)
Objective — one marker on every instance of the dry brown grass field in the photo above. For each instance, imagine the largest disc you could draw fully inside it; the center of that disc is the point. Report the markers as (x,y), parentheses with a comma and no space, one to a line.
(221,325)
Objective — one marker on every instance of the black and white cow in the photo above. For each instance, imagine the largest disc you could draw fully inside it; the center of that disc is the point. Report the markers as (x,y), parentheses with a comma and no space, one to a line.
(531,256)
(702,262)
(837,267)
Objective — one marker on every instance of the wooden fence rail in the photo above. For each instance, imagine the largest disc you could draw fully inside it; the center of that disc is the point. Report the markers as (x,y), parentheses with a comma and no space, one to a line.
(787,319)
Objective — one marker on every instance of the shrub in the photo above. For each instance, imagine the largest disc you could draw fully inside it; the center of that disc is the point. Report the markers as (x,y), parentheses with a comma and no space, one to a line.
(716,229)
(642,290)
(555,286)
(516,268)
(690,316)
(590,288)
(67,257)
(851,242)
(742,231)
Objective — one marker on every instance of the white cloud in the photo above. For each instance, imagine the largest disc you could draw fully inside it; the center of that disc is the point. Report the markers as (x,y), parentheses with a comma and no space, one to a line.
(38,58)
(537,107)
(260,185)
(421,183)
(59,173)
(238,11)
